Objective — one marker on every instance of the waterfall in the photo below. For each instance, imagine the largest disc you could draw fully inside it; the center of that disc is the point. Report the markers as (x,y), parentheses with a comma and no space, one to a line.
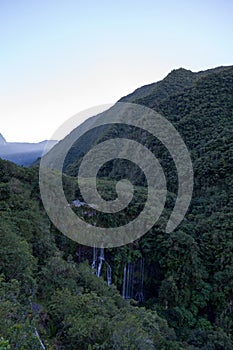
(133,280)
(109,275)
(129,285)
(127,289)
(97,264)
(140,294)
(124,282)
(94,261)
(101,259)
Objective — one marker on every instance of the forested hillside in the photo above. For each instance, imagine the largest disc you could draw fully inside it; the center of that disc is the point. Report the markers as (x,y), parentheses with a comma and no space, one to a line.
(176,289)
(48,291)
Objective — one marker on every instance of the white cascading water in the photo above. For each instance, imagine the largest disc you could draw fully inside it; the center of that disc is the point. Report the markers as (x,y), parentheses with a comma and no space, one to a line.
(109,275)
(94,261)
(140,293)
(101,259)
(97,264)
(127,288)
(133,277)
(124,282)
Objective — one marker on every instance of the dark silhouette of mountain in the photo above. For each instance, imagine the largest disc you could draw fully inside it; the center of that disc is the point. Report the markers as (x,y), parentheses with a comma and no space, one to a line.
(22,153)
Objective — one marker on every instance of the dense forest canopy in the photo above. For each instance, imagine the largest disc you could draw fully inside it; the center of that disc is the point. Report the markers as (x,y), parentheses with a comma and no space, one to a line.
(180,295)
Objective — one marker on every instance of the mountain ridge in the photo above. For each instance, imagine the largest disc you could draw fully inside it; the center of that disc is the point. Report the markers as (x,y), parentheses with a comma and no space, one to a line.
(184,278)
(23,153)
(178,87)
(180,78)
(2,140)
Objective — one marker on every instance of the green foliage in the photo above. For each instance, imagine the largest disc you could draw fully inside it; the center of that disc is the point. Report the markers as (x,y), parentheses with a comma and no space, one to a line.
(15,319)
(188,282)
(17,261)
(57,273)
(4,344)
(100,318)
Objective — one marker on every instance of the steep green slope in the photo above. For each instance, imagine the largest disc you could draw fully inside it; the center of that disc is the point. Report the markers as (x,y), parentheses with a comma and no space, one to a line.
(47,293)
(188,279)
(175,82)
(192,268)
(194,97)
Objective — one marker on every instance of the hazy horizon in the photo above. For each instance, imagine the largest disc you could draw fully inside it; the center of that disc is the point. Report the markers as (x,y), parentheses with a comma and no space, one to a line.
(59,58)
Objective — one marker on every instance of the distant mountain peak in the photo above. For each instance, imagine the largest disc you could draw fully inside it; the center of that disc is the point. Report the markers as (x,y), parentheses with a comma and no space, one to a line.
(180,73)
(2,140)
(181,70)
(23,153)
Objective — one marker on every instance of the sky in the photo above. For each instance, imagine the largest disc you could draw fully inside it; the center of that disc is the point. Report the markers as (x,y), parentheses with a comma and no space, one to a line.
(58,58)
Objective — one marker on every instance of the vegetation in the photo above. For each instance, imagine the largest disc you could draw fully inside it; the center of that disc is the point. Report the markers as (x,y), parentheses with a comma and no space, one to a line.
(49,293)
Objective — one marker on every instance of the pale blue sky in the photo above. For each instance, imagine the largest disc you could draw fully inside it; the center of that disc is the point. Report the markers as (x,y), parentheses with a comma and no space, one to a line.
(60,57)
